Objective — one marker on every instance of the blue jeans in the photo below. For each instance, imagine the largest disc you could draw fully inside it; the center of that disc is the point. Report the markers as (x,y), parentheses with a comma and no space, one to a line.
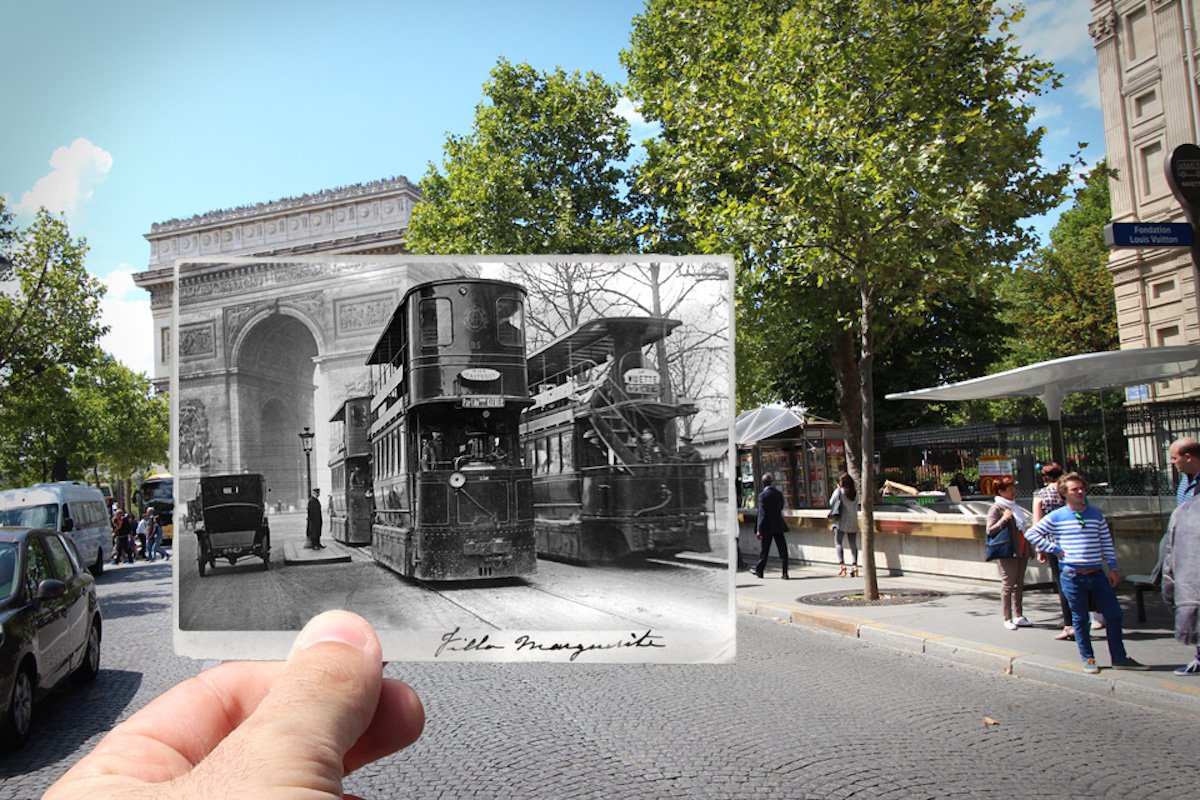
(1079,589)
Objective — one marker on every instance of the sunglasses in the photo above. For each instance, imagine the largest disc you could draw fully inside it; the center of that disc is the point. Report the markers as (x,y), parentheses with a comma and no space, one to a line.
(1080,520)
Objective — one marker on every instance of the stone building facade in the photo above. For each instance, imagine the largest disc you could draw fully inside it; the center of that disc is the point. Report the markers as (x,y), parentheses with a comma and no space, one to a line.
(367,218)
(1149,63)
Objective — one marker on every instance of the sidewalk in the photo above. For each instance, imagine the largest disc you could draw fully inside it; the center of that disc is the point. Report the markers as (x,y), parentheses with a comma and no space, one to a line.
(965,625)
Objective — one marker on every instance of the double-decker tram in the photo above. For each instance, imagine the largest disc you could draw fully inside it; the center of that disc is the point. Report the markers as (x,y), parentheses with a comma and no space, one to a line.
(350,471)
(609,481)
(453,499)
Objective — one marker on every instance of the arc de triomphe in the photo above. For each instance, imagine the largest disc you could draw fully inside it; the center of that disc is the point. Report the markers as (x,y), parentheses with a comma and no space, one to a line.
(269,345)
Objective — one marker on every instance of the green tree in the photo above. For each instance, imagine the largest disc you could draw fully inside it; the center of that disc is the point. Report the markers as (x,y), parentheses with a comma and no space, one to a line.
(872,150)
(62,397)
(127,424)
(49,304)
(540,173)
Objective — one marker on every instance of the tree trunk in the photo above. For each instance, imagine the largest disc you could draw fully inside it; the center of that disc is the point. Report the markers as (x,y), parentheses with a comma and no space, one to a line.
(670,434)
(867,486)
(845,369)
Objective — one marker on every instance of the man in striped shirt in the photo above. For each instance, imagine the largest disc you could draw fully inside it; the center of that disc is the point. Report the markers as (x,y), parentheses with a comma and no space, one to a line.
(1079,536)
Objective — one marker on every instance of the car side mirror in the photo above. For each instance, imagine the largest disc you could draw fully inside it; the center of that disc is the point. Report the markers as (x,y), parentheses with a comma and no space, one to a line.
(50,589)
(68,525)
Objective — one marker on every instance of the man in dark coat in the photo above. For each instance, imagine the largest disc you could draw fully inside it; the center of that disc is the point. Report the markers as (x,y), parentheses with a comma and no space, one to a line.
(771,526)
(314,521)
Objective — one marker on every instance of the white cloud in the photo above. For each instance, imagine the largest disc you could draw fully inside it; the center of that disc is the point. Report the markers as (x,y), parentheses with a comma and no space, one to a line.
(126,310)
(77,169)
(639,127)
(1056,30)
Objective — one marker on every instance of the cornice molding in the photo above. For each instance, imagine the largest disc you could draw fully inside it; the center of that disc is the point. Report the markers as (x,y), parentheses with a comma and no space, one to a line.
(338,194)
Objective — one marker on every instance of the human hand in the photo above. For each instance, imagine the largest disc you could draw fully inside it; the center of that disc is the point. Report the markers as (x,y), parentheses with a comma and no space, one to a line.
(1114,577)
(1007,514)
(758,535)
(264,729)
(1041,557)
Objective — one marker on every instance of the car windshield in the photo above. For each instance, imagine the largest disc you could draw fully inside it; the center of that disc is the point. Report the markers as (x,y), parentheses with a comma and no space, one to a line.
(8,569)
(44,516)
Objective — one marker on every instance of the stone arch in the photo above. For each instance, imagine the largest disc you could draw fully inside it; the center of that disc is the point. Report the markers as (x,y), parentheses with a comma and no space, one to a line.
(276,385)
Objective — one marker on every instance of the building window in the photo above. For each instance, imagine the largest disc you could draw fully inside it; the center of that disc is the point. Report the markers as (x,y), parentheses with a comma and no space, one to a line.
(1146,104)
(1139,31)
(1161,289)
(1167,335)
(1154,181)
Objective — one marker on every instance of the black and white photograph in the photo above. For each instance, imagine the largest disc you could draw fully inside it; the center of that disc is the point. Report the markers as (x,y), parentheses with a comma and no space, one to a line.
(490,458)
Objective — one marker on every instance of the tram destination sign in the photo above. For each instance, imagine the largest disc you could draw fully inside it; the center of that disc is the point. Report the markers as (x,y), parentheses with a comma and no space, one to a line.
(1148,234)
(483,401)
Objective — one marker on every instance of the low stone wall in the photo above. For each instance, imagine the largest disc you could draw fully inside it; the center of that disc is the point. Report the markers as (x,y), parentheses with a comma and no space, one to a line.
(949,545)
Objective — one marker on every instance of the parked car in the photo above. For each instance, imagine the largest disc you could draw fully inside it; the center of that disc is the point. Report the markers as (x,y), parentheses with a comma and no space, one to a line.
(67,507)
(49,622)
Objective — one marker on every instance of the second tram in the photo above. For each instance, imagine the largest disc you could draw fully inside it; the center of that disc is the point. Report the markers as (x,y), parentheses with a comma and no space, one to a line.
(453,500)
(609,480)
(350,473)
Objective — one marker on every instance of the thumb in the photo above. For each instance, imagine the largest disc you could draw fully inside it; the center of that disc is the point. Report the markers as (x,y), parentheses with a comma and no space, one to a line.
(298,736)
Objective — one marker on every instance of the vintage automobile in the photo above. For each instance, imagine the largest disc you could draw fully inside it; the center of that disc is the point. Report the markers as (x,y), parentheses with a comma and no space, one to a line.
(229,517)
(49,622)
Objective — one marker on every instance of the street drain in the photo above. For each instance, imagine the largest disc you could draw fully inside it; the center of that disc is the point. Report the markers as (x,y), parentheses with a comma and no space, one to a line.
(887,597)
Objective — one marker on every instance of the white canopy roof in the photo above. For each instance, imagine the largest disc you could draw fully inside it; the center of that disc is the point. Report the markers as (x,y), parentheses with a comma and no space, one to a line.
(1053,380)
(766,421)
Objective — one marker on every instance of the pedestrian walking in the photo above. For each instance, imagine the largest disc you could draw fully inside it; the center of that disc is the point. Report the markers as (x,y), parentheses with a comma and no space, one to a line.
(314,521)
(1045,500)
(771,526)
(1185,458)
(1079,535)
(1181,577)
(143,533)
(1006,545)
(843,510)
(154,535)
(124,531)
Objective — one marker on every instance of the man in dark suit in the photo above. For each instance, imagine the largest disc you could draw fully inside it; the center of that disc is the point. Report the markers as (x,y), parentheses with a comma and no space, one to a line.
(314,522)
(771,526)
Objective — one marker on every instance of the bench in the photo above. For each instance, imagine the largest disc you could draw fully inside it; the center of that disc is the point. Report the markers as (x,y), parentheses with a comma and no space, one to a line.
(1141,585)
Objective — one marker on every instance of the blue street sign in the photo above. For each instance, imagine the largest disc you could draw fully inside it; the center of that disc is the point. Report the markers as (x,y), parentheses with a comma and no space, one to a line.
(1148,234)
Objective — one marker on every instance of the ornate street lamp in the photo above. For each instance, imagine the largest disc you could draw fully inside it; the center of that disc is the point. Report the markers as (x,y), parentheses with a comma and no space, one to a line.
(306,441)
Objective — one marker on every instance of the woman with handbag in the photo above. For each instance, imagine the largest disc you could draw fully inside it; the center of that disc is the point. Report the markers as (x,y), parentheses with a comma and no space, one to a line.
(1006,545)
(843,510)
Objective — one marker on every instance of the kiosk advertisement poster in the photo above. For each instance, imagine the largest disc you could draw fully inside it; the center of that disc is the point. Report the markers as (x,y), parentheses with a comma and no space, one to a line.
(992,469)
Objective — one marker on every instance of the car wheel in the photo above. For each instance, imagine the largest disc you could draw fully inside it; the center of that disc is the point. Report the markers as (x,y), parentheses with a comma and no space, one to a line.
(90,667)
(97,569)
(19,718)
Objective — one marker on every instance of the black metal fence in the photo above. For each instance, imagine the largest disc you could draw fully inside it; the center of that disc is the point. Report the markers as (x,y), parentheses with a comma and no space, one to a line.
(1119,453)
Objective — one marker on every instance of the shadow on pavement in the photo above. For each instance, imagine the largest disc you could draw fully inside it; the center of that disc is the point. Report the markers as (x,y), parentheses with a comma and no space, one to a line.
(75,712)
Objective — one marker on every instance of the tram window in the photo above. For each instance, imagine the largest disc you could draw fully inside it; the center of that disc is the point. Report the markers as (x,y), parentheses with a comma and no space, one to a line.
(568,460)
(510,320)
(554,463)
(435,321)
(540,455)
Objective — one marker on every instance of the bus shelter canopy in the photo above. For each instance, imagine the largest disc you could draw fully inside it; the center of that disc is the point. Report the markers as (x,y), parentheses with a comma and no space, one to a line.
(1051,381)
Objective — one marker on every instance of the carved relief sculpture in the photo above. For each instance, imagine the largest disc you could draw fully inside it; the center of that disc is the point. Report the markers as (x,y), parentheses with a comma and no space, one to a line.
(194,447)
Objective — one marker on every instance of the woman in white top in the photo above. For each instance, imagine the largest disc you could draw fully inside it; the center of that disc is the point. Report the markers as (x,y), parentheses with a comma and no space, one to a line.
(845,523)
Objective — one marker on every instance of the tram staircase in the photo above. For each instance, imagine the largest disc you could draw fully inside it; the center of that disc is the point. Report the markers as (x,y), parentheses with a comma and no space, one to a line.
(612,424)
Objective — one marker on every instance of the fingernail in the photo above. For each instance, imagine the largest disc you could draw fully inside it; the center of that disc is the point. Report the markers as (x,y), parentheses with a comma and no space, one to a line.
(333,626)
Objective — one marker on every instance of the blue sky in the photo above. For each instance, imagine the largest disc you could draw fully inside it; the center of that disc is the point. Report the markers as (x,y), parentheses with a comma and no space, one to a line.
(122,114)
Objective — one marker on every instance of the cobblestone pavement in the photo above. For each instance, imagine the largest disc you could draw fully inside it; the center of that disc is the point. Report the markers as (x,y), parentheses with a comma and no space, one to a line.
(801,713)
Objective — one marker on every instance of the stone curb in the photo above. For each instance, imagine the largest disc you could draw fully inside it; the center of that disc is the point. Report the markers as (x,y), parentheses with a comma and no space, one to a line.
(1068,674)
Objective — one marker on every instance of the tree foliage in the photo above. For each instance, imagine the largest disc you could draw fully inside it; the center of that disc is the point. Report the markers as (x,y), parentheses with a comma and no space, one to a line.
(540,172)
(874,152)
(61,396)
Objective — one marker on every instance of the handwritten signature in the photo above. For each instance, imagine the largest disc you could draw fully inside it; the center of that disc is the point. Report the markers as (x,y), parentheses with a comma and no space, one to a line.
(453,642)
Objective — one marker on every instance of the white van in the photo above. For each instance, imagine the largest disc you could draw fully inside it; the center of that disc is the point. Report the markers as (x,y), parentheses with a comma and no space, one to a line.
(67,507)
